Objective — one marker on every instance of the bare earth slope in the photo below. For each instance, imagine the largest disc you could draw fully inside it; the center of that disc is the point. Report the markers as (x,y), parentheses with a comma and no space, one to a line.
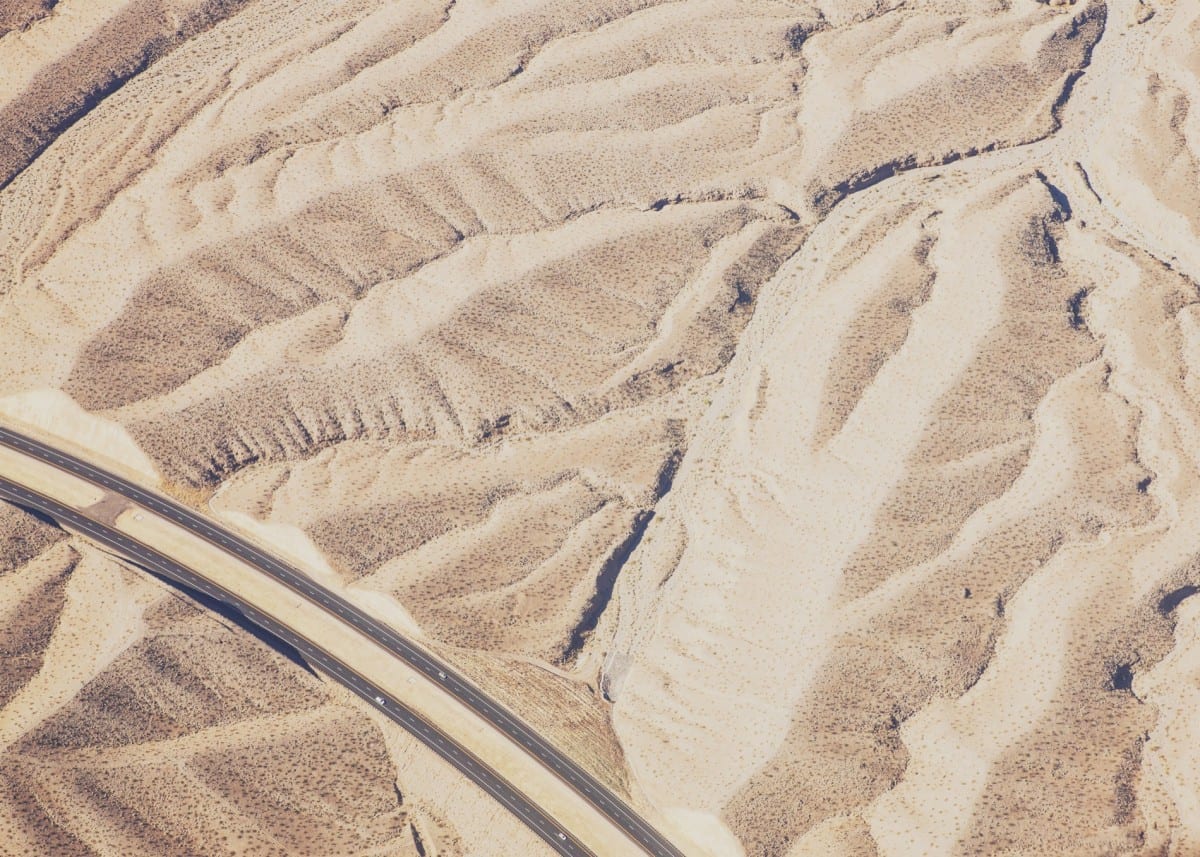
(790,408)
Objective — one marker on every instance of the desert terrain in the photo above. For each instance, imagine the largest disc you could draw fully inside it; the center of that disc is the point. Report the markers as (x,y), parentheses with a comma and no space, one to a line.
(791,409)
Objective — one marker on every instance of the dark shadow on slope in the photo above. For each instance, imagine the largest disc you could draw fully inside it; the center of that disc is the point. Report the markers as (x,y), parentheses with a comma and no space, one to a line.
(232,614)
(1173,599)
(41,517)
(606,580)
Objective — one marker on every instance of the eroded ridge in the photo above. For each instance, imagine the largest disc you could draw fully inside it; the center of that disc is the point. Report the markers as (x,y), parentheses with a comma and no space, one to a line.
(786,408)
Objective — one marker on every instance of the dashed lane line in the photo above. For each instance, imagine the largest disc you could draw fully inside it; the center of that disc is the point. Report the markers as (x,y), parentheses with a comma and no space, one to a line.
(481,775)
(571,773)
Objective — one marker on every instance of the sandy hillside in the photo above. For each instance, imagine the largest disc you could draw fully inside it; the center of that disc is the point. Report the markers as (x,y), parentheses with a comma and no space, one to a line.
(135,723)
(789,407)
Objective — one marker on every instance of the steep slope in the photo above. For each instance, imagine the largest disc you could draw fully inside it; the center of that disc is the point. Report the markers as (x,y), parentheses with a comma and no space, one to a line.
(787,407)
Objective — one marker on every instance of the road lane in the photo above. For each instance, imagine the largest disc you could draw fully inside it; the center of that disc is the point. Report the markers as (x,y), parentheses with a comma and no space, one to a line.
(426,732)
(562,766)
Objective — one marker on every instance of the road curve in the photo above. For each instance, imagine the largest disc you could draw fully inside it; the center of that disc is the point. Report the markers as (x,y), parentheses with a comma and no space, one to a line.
(650,840)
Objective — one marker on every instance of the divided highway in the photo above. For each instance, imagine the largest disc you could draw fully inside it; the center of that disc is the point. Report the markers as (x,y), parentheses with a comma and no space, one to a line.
(637,829)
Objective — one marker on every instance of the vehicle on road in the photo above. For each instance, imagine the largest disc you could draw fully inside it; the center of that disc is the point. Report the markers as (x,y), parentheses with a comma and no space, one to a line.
(161,561)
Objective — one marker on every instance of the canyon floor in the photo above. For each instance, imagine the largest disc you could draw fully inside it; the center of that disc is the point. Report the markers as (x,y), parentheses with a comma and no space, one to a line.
(792,409)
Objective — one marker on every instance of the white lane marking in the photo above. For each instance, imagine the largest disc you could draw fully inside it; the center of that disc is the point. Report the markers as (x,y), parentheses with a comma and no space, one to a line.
(389,634)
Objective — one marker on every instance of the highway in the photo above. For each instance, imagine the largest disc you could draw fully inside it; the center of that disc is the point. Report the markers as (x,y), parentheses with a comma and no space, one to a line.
(649,839)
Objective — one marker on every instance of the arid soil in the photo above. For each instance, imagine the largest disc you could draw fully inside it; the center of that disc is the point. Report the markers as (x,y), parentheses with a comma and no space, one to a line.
(789,407)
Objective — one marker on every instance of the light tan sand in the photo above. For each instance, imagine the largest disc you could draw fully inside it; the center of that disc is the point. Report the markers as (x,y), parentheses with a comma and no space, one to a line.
(790,408)
(407,686)
(51,416)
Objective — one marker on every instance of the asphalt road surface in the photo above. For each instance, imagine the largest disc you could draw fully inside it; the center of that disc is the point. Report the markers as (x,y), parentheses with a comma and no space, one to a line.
(587,786)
